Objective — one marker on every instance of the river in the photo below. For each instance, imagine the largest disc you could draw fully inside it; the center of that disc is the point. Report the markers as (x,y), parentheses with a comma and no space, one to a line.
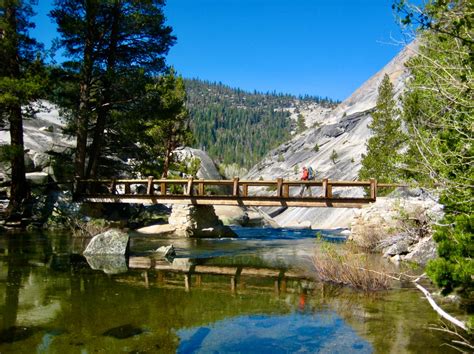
(52,301)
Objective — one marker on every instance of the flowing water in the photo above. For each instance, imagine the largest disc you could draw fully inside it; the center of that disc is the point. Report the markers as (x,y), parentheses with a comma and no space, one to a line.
(246,295)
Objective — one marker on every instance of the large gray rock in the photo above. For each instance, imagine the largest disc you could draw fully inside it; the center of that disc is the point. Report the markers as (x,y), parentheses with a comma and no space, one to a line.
(112,242)
(198,221)
(232,215)
(41,160)
(399,247)
(37,178)
(207,169)
(422,251)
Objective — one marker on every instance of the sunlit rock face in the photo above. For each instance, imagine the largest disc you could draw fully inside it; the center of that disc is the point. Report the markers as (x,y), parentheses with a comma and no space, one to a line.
(111,242)
(343,131)
(198,221)
(207,169)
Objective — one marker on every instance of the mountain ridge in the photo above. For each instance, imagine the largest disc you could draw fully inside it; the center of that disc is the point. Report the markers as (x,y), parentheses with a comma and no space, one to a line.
(239,127)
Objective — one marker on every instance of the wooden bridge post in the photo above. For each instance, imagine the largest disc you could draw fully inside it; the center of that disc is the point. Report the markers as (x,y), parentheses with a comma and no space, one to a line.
(235,187)
(245,190)
(163,188)
(201,190)
(327,188)
(127,188)
(373,188)
(149,189)
(279,186)
(189,186)
(286,190)
(112,186)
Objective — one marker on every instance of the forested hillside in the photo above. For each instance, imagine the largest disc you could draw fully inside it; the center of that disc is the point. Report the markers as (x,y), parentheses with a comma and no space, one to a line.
(235,126)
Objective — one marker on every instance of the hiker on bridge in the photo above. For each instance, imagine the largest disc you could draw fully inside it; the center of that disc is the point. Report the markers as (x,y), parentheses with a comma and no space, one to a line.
(307,174)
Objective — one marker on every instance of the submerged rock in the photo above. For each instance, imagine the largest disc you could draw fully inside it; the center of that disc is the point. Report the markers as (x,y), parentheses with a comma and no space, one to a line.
(162,229)
(112,242)
(109,264)
(123,332)
(166,251)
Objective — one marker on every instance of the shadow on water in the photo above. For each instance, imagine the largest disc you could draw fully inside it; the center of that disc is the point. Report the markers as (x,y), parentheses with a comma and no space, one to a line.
(54,302)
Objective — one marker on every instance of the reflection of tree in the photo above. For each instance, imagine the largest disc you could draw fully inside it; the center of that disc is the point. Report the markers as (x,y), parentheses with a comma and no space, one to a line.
(15,262)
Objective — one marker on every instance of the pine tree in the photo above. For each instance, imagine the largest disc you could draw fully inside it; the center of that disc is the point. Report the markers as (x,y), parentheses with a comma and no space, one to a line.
(110,42)
(19,86)
(383,156)
(438,112)
(161,124)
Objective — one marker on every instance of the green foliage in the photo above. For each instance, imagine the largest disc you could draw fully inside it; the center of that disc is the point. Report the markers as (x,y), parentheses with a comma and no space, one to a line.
(116,50)
(280,158)
(383,157)
(193,166)
(334,156)
(165,122)
(301,124)
(7,152)
(438,113)
(316,148)
(454,267)
(235,126)
(63,167)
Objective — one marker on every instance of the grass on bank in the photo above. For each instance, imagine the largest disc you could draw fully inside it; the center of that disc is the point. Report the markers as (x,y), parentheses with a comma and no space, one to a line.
(346,266)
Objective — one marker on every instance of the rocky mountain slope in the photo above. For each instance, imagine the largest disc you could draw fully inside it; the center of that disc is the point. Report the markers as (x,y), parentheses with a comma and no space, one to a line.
(334,149)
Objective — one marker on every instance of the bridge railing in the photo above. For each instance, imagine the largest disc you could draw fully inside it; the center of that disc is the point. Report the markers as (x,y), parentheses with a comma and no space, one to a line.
(236,187)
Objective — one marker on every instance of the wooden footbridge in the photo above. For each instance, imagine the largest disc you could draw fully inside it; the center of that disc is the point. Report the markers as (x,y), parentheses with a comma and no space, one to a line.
(277,193)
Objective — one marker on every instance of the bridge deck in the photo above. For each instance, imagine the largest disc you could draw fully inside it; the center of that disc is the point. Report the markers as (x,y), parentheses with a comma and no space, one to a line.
(230,200)
(193,192)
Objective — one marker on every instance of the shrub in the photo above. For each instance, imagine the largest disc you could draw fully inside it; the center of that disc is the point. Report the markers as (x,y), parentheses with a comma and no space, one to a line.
(349,268)
(334,156)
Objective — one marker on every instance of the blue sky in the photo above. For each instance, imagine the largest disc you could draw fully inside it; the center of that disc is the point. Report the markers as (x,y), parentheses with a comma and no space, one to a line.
(325,48)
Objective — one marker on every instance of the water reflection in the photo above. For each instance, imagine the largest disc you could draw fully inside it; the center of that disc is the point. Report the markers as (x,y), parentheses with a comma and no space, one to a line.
(323,332)
(53,302)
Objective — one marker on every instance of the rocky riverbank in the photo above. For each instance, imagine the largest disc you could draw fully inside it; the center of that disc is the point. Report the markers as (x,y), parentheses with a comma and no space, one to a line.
(399,227)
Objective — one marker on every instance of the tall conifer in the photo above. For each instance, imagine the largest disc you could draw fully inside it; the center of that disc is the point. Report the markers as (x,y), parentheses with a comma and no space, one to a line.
(383,147)
(109,42)
(19,86)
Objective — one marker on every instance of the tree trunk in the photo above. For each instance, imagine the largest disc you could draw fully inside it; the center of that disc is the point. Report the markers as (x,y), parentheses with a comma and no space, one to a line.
(103,111)
(19,188)
(167,160)
(82,118)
